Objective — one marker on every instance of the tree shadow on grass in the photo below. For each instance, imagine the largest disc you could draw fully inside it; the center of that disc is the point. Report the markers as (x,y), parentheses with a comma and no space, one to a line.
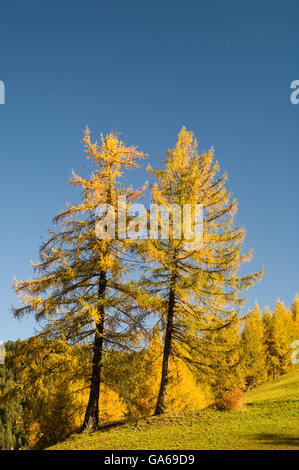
(277,439)
(114,424)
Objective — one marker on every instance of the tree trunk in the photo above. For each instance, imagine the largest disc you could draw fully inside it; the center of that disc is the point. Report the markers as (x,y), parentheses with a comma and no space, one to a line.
(160,406)
(91,420)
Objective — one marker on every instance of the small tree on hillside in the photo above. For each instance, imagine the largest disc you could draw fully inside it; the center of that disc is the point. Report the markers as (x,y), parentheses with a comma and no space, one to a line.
(225,360)
(295,309)
(254,349)
(279,330)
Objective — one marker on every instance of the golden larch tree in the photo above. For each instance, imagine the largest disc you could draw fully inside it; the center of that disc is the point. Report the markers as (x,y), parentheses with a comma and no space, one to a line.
(254,348)
(198,285)
(81,292)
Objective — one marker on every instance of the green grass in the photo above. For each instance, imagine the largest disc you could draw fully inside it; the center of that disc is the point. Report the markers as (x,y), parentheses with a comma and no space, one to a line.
(270,420)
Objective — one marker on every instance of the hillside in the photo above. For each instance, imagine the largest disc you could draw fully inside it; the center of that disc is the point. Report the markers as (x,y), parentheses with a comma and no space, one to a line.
(270,420)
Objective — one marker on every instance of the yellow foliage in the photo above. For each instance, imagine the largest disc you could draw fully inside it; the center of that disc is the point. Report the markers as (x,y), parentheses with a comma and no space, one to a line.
(57,400)
(112,407)
(61,413)
(183,391)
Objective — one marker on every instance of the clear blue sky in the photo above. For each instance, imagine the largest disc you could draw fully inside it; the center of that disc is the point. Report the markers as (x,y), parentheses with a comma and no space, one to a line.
(145,68)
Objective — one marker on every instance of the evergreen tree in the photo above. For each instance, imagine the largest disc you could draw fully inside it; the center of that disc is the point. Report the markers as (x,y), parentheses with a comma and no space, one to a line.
(12,430)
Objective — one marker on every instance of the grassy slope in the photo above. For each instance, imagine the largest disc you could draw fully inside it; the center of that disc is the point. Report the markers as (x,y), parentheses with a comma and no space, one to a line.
(270,421)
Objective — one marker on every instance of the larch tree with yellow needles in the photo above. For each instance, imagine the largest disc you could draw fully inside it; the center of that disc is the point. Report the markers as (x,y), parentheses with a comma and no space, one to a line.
(254,348)
(199,285)
(82,291)
(279,331)
(295,309)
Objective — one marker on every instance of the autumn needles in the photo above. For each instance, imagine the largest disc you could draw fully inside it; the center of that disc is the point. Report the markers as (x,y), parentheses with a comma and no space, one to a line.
(102,282)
